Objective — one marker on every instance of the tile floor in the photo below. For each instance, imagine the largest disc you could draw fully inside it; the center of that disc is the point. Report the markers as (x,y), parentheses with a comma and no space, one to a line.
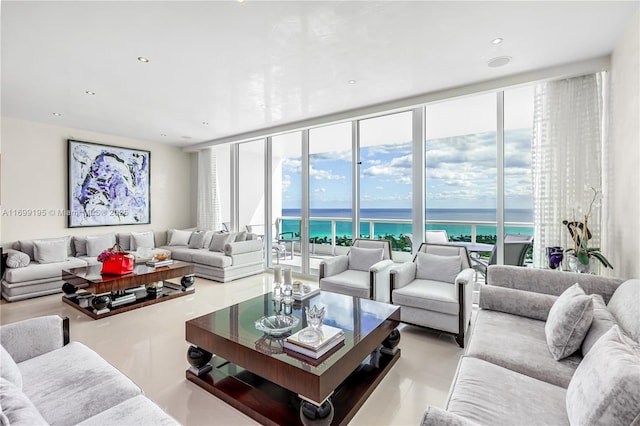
(148,345)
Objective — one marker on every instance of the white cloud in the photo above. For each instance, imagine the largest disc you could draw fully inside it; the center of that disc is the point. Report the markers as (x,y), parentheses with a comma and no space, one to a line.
(320,190)
(320,174)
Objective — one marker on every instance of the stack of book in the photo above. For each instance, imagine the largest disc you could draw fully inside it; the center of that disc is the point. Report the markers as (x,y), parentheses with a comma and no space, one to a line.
(304,291)
(329,338)
(158,263)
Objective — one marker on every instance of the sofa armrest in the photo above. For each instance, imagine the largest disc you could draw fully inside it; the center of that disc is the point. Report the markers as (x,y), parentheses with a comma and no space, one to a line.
(466,277)
(16,258)
(379,273)
(435,416)
(33,337)
(548,281)
(402,274)
(517,302)
(238,247)
(334,265)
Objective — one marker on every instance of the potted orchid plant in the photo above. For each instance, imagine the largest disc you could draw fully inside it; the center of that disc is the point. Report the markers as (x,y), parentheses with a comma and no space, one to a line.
(581,254)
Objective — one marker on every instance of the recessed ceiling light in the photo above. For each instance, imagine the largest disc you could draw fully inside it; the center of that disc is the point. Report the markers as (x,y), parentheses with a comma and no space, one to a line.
(352,82)
(496,40)
(143,59)
(206,123)
(89,92)
(499,61)
(163,134)
(57,114)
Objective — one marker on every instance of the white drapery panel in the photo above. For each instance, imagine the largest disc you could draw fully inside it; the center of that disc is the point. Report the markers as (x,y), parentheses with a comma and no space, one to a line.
(568,137)
(208,215)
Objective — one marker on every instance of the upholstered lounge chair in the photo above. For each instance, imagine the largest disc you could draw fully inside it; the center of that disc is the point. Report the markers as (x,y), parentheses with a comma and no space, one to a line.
(363,272)
(436,289)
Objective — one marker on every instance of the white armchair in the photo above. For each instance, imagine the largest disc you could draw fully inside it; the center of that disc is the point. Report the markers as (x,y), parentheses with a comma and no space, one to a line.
(363,272)
(436,289)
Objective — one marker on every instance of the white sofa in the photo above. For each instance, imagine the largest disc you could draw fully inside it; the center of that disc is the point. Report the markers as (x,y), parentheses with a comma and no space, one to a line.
(28,276)
(45,380)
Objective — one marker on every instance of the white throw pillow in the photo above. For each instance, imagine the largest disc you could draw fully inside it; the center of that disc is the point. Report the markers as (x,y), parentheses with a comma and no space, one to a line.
(196,241)
(605,388)
(18,259)
(438,268)
(143,240)
(568,321)
(219,240)
(180,237)
(361,259)
(96,244)
(51,250)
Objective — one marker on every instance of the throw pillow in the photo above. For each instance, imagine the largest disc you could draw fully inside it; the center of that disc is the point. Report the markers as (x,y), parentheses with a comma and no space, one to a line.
(196,241)
(568,321)
(50,250)
(361,259)
(219,240)
(17,259)
(143,240)
(207,238)
(80,245)
(605,388)
(96,244)
(603,320)
(438,268)
(180,238)
(9,369)
(25,246)
(241,236)
(17,408)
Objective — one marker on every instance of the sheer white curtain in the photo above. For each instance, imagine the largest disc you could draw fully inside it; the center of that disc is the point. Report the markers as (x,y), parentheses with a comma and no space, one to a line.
(568,136)
(208,214)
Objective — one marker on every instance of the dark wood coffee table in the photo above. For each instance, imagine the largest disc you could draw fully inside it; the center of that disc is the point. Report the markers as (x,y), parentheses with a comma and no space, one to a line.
(252,373)
(90,279)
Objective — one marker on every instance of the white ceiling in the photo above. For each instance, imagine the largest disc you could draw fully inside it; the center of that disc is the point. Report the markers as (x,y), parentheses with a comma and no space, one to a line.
(243,66)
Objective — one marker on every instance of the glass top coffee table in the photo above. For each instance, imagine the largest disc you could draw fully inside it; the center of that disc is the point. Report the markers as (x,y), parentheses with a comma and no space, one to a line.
(252,372)
(119,287)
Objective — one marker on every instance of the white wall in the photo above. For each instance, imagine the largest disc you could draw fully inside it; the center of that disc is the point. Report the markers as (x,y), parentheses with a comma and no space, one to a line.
(622,246)
(34,176)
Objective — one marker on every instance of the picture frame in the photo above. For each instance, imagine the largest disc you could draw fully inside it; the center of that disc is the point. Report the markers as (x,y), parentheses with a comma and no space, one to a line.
(107,185)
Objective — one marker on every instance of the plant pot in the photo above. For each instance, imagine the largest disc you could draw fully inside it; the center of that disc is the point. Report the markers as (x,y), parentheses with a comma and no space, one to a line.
(576,266)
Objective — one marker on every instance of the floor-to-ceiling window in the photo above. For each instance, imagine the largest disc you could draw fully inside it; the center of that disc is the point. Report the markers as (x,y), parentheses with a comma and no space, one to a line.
(386,178)
(461,168)
(330,189)
(251,186)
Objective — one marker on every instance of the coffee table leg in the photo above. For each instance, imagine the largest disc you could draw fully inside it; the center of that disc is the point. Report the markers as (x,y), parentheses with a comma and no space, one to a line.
(314,415)
(199,360)
(390,344)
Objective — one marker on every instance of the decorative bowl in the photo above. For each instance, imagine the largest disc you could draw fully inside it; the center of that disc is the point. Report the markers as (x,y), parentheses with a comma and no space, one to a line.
(162,256)
(277,325)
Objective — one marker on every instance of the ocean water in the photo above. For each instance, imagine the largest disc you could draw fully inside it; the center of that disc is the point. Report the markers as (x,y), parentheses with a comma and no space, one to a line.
(322,228)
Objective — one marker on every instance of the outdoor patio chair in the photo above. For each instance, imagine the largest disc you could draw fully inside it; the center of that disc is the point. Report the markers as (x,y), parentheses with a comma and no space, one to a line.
(435,291)
(515,253)
(363,272)
(436,237)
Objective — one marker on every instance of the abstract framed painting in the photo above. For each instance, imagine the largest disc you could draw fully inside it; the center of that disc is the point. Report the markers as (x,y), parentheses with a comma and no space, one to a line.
(108,185)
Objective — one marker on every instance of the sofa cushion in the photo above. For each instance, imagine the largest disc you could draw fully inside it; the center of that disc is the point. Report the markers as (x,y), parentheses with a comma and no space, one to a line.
(207,239)
(37,271)
(438,268)
(50,250)
(78,377)
(568,321)
(180,253)
(180,237)
(139,411)
(603,320)
(350,282)
(605,390)
(144,240)
(241,236)
(489,394)
(624,307)
(431,295)
(219,240)
(16,406)
(124,239)
(211,258)
(9,369)
(17,259)
(361,259)
(196,240)
(96,244)
(519,344)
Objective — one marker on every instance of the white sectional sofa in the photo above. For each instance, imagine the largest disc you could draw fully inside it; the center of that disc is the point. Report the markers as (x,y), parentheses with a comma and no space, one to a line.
(45,380)
(34,267)
(542,352)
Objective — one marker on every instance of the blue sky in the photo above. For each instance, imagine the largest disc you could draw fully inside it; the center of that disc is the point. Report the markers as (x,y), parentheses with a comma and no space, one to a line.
(461,173)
